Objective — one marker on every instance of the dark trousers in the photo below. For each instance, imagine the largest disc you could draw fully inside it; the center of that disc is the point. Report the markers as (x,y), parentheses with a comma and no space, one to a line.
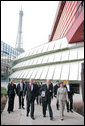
(38,100)
(32,108)
(70,96)
(57,105)
(44,108)
(11,102)
(21,99)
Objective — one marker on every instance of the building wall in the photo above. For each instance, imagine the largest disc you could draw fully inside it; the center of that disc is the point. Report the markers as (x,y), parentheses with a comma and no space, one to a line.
(8,53)
(70,13)
(55,60)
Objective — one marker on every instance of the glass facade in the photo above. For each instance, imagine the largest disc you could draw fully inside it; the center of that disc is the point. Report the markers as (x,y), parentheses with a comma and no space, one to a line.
(8,53)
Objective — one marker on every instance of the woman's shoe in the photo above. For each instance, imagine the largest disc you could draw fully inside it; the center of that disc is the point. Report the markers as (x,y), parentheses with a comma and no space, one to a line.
(9,112)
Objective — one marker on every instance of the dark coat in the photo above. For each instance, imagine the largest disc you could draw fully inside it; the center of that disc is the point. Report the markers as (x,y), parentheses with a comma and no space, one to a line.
(55,90)
(38,90)
(11,90)
(18,89)
(48,92)
(30,95)
(71,90)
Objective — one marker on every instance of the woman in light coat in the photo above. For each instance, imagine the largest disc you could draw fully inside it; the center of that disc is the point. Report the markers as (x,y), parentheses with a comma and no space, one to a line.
(62,97)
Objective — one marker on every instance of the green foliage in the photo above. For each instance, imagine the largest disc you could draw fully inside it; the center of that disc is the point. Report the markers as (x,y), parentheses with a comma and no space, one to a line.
(3,91)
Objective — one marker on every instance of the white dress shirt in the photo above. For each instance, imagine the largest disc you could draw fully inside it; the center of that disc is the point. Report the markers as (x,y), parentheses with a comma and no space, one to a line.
(68,87)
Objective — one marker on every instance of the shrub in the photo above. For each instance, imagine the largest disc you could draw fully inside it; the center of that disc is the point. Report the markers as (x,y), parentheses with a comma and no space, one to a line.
(3,91)
(79,107)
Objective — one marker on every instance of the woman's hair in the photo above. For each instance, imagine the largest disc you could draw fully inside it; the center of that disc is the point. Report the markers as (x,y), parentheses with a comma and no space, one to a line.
(11,81)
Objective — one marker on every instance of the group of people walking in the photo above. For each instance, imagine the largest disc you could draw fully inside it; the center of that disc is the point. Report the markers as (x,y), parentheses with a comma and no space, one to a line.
(43,93)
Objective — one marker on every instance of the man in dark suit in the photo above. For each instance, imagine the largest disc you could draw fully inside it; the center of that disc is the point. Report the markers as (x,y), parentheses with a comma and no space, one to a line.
(55,93)
(30,92)
(47,94)
(20,89)
(70,96)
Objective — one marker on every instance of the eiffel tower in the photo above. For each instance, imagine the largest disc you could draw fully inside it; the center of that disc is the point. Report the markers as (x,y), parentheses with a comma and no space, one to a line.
(19,42)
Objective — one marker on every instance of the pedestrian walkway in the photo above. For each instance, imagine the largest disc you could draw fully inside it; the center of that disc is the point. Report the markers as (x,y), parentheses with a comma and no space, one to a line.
(18,117)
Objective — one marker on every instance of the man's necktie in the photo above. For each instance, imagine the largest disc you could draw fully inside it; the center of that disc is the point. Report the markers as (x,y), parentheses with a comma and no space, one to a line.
(31,87)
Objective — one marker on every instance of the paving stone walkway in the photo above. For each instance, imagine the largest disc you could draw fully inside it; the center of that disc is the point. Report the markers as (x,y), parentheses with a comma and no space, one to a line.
(18,117)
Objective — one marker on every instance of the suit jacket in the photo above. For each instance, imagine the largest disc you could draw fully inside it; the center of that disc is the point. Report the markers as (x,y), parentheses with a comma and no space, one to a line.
(48,92)
(71,90)
(55,90)
(18,89)
(62,94)
(11,90)
(30,95)
(38,89)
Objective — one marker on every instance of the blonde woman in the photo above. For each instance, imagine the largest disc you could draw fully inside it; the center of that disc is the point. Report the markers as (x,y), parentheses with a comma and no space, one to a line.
(62,97)
(11,90)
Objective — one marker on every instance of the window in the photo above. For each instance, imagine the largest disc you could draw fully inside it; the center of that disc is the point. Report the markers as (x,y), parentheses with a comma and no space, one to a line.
(73,75)
(57,57)
(45,59)
(38,74)
(45,48)
(39,60)
(51,58)
(65,55)
(25,74)
(44,72)
(50,72)
(35,61)
(81,53)
(34,73)
(65,71)
(57,44)
(29,73)
(51,46)
(57,72)
(73,54)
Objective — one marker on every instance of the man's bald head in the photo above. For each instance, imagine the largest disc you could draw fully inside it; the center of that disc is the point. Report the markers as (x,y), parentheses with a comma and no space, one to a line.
(48,81)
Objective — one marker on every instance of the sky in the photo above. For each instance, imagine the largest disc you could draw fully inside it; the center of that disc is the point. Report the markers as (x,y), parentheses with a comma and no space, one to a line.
(37,23)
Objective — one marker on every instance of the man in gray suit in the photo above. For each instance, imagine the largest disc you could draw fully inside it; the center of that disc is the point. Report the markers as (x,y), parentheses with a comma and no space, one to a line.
(62,97)
(30,92)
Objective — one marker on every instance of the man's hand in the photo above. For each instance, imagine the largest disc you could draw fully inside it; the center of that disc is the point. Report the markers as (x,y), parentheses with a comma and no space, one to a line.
(67,101)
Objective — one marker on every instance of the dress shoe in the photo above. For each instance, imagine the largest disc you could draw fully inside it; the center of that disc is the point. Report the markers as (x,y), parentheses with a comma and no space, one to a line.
(51,118)
(23,107)
(9,112)
(27,114)
(33,117)
(19,107)
(67,110)
(44,115)
(62,119)
(71,111)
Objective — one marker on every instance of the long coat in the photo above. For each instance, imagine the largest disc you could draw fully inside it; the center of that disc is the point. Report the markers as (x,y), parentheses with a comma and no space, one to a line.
(11,90)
